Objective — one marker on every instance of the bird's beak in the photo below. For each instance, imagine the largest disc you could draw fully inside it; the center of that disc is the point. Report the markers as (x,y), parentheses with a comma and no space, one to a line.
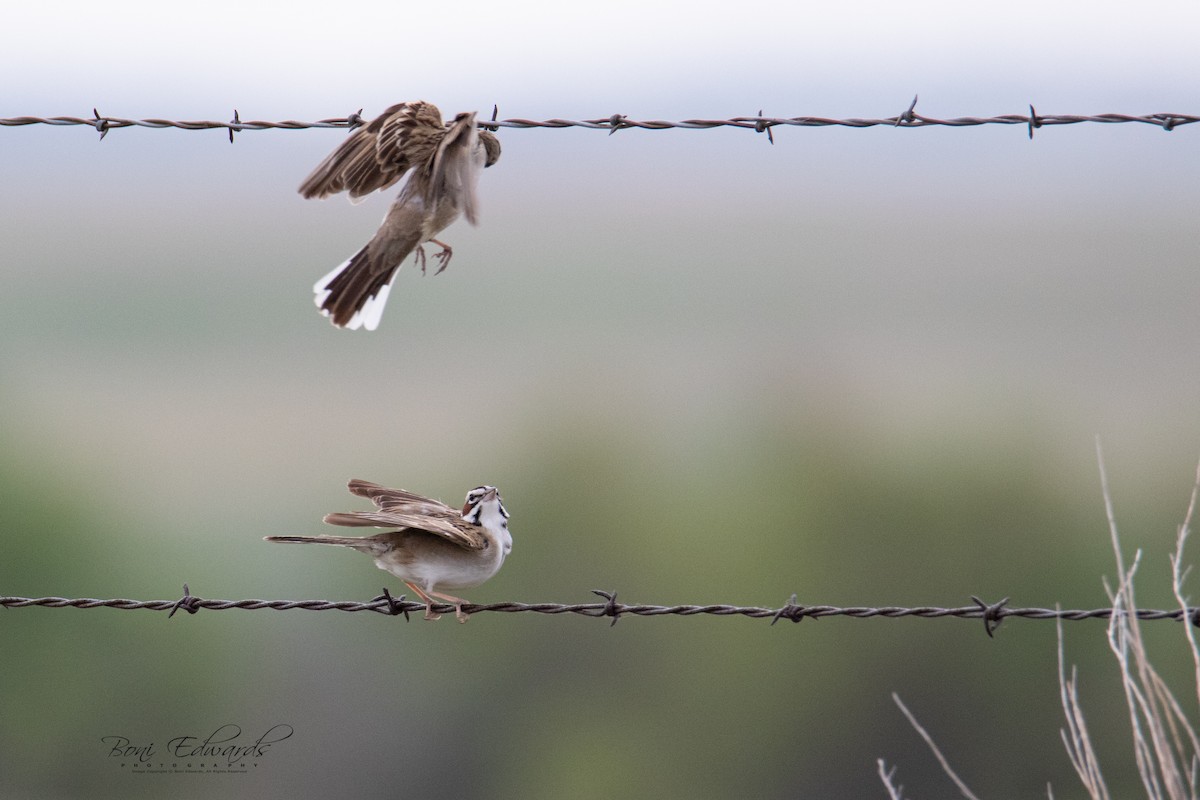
(491,494)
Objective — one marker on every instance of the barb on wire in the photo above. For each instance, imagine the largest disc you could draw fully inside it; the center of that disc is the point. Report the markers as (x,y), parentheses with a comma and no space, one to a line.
(615,122)
(909,116)
(762,127)
(188,603)
(992,614)
(611,608)
(788,611)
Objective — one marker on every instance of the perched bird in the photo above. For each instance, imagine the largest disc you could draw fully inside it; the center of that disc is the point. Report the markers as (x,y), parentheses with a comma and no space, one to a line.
(445,162)
(436,546)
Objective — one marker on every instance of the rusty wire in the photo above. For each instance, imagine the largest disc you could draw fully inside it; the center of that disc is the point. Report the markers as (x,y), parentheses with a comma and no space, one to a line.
(992,614)
(615,122)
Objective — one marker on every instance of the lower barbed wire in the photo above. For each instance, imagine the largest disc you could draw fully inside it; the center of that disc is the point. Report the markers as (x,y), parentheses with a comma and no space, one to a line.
(992,614)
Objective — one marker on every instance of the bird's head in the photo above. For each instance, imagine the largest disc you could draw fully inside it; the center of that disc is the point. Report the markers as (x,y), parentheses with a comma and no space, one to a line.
(491,147)
(484,507)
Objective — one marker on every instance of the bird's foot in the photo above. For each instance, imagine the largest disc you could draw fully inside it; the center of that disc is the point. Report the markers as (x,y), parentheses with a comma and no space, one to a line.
(443,258)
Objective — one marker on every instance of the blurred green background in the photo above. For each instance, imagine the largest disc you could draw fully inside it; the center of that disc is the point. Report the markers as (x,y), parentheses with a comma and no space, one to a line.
(864,366)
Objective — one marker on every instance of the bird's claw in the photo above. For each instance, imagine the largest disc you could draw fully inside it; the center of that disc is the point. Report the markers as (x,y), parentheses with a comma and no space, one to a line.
(443,258)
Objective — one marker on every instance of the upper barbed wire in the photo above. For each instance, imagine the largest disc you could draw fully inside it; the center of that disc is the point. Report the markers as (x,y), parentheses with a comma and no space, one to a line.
(615,122)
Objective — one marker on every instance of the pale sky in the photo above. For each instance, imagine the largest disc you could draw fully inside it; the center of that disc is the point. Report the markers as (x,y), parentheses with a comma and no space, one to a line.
(700,55)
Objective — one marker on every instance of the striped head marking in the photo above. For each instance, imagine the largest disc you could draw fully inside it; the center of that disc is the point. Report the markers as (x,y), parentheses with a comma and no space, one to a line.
(477,499)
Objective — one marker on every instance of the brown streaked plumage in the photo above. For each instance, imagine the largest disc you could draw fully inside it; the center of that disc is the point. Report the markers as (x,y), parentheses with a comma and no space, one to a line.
(435,547)
(443,165)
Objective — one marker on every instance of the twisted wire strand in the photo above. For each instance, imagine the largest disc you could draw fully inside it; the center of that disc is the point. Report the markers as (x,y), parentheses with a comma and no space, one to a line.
(614,122)
(992,614)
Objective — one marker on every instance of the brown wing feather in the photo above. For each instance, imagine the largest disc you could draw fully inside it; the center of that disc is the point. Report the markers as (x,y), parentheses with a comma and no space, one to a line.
(401,509)
(377,155)
(329,177)
(383,496)
(452,162)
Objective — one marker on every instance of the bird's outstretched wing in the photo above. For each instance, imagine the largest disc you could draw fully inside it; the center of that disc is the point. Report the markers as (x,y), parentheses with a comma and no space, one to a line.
(456,166)
(379,154)
(398,508)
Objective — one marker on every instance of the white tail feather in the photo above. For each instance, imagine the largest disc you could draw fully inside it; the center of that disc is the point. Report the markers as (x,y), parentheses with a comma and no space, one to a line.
(367,317)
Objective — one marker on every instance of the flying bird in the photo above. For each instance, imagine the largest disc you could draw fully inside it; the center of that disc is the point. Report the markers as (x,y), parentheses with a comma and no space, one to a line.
(434,547)
(442,162)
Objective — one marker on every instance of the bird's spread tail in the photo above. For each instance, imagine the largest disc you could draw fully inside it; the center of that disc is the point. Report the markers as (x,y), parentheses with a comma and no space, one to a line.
(353,295)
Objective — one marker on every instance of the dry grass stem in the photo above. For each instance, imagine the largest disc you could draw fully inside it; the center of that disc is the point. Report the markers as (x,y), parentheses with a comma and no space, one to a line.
(1165,744)
(888,776)
(1075,737)
(962,787)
